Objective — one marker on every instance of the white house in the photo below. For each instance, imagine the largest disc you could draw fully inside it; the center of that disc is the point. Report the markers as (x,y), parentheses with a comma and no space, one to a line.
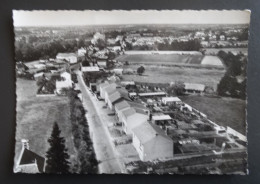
(70,57)
(116,97)
(131,118)
(167,100)
(109,90)
(103,86)
(151,143)
(123,105)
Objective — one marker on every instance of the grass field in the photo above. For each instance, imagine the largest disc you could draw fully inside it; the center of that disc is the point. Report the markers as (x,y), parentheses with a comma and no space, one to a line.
(161,59)
(223,111)
(161,74)
(36,115)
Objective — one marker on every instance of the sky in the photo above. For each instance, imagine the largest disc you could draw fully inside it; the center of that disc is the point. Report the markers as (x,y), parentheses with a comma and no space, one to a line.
(88,17)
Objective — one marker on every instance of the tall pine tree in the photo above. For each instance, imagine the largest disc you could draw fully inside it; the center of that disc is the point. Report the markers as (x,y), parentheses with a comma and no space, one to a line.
(57,156)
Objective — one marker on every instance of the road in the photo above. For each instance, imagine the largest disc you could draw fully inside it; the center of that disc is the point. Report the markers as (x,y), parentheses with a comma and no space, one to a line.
(102,143)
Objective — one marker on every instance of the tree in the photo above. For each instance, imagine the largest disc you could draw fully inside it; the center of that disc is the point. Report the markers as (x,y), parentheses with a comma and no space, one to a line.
(140,70)
(176,89)
(57,156)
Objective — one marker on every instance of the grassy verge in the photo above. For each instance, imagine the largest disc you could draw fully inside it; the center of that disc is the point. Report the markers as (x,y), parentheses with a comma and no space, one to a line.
(36,115)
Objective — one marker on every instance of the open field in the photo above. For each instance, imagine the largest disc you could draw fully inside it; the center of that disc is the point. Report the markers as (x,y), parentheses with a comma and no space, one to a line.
(36,115)
(162,59)
(223,111)
(162,74)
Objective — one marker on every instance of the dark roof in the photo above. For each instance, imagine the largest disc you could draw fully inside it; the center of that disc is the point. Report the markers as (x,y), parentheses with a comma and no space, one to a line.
(29,157)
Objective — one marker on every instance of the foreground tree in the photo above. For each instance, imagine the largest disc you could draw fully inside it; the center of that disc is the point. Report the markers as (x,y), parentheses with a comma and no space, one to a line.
(57,156)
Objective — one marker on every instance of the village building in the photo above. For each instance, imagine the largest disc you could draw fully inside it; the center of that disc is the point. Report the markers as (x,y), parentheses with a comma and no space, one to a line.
(193,88)
(131,118)
(151,142)
(123,105)
(171,100)
(28,161)
(108,91)
(69,57)
(116,97)
(103,86)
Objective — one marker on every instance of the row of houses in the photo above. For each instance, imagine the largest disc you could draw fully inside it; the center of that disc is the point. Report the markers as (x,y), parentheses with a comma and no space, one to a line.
(150,141)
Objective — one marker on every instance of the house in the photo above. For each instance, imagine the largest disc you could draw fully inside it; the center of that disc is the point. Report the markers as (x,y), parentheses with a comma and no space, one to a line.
(171,100)
(65,83)
(69,57)
(151,143)
(123,105)
(105,85)
(191,88)
(117,96)
(131,118)
(109,90)
(212,60)
(28,161)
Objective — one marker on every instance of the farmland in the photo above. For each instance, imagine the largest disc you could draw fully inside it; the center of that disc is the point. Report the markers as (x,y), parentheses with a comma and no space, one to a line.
(162,59)
(36,115)
(162,74)
(223,111)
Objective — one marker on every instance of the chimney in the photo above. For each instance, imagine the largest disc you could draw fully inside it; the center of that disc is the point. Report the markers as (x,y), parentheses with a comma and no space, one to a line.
(25,143)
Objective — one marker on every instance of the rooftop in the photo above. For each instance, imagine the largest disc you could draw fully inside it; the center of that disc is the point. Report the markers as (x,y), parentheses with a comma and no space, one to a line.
(147,131)
(66,54)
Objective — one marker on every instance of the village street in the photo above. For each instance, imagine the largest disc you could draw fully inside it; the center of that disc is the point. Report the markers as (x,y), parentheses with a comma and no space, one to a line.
(102,142)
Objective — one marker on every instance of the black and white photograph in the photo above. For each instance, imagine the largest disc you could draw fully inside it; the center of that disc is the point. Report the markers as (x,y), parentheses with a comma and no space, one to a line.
(131,92)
